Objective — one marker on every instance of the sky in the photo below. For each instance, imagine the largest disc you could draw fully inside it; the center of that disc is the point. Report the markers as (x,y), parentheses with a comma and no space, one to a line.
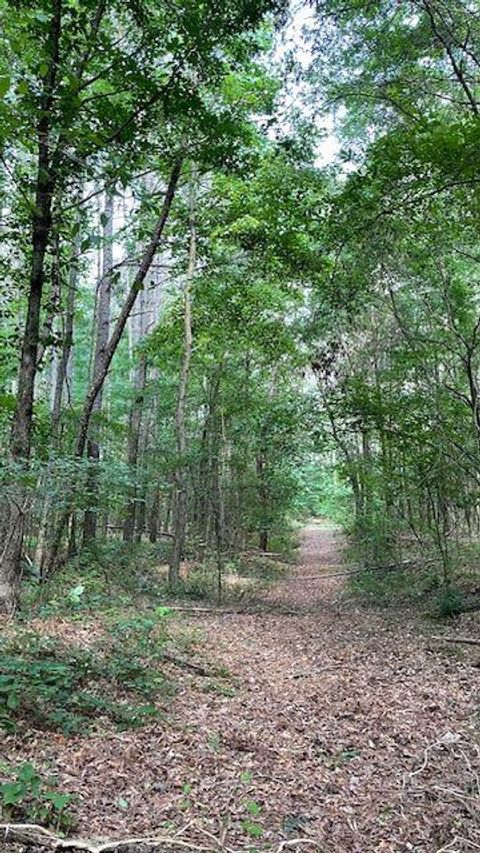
(294,40)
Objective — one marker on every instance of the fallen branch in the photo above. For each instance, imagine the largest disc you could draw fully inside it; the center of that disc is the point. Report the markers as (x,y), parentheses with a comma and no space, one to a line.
(470,641)
(220,611)
(179,608)
(256,552)
(405,564)
(32,834)
(184,663)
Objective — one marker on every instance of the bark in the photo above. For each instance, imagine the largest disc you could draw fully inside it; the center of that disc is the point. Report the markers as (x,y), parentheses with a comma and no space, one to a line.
(135,423)
(180,484)
(21,434)
(104,299)
(110,349)
(46,337)
(61,383)
(153,517)
(61,379)
(220,510)
(263,497)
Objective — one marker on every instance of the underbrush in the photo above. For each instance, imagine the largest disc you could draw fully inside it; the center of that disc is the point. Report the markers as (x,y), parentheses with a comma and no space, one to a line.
(28,795)
(109,571)
(112,574)
(49,683)
(392,587)
(422,583)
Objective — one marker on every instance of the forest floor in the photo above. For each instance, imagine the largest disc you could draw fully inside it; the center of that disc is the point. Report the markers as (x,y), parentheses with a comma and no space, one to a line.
(341,725)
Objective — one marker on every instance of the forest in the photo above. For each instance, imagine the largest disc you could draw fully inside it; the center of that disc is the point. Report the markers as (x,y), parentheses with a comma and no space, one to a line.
(240,426)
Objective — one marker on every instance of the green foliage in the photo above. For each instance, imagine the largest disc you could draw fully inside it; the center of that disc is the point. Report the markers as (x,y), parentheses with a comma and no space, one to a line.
(252,829)
(65,687)
(249,826)
(449,601)
(200,583)
(107,580)
(26,796)
(323,493)
(389,588)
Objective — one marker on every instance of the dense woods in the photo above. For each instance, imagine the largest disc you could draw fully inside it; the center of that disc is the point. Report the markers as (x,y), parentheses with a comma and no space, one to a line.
(240,290)
(177,266)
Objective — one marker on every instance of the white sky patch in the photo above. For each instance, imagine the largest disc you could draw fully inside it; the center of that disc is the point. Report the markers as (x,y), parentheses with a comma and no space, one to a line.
(295,42)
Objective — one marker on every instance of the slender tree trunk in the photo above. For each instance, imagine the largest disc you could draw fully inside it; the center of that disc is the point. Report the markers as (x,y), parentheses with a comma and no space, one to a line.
(220,507)
(153,516)
(46,338)
(21,434)
(133,446)
(104,299)
(61,384)
(99,379)
(262,489)
(180,484)
(61,378)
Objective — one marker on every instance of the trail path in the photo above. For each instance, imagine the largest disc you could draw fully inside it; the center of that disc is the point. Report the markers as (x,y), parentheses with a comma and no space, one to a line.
(338,725)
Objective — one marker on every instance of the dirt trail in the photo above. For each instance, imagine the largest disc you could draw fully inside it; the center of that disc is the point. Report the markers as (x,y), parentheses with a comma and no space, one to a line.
(338,725)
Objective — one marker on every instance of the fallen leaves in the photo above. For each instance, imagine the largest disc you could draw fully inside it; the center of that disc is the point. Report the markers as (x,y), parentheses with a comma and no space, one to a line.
(343,728)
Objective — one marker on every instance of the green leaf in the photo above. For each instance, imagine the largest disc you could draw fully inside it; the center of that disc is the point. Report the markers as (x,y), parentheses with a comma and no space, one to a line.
(27,773)
(76,593)
(12,793)
(13,701)
(58,801)
(4,86)
(252,829)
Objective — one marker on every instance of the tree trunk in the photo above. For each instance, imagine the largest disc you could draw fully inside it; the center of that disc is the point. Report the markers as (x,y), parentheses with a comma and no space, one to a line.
(21,434)
(110,349)
(180,484)
(104,298)
(153,516)
(61,378)
(263,532)
(135,422)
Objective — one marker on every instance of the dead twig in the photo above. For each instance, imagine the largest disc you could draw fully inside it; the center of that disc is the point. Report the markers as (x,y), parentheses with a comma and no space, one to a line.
(221,611)
(458,840)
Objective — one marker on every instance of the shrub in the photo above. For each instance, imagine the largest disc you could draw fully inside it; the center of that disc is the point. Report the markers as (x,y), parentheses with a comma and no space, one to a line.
(64,687)
(449,602)
(200,584)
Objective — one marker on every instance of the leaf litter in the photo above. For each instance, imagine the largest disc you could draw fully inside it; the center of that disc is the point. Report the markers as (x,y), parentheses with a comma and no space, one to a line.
(339,726)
